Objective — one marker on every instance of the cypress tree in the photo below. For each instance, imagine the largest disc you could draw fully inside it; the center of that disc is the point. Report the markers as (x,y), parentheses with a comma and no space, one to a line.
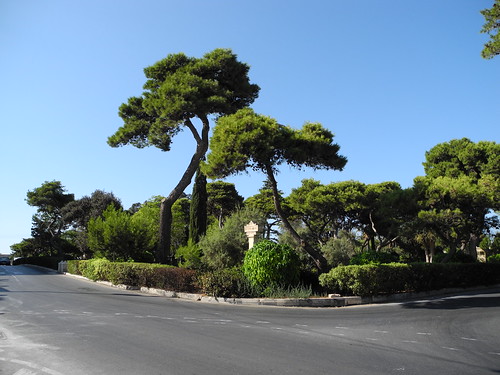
(198,210)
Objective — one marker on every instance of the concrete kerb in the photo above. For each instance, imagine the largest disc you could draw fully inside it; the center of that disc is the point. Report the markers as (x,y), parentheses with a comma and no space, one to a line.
(333,301)
(282,302)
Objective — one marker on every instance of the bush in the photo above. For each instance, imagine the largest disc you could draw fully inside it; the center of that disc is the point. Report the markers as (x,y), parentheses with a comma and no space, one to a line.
(494,258)
(338,251)
(228,283)
(170,278)
(375,279)
(374,257)
(276,291)
(270,264)
(225,247)
(136,274)
(189,256)
(458,257)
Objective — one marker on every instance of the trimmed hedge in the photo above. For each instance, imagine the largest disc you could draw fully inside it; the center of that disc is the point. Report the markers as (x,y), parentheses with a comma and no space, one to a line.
(369,280)
(226,282)
(136,274)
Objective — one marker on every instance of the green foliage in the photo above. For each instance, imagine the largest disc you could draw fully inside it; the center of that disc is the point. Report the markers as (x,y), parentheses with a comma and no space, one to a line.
(246,140)
(374,257)
(491,27)
(50,198)
(491,243)
(327,209)
(94,269)
(269,264)
(278,291)
(198,208)
(223,199)
(462,157)
(119,237)
(189,256)
(26,248)
(136,274)
(494,258)
(226,283)
(368,280)
(224,247)
(146,217)
(458,257)
(80,211)
(339,251)
(179,88)
(180,222)
(48,224)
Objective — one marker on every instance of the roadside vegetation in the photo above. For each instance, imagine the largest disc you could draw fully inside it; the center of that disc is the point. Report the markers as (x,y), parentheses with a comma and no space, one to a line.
(343,237)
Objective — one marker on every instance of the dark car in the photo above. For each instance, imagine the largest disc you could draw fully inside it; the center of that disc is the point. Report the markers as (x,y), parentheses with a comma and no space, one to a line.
(5,261)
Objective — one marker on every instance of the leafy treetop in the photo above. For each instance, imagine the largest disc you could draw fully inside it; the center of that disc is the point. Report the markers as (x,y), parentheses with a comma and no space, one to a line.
(179,88)
(491,27)
(246,140)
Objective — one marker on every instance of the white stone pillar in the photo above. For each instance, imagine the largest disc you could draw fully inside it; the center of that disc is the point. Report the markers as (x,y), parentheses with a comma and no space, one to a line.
(251,230)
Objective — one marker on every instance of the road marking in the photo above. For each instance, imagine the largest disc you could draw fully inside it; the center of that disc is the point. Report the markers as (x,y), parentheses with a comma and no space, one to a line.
(342,327)
(371,339)
(35,366)
(381,331)
(468,339)
(424,333)
(410,341)
(262,322)
(493,353)
(448,348)
(24,371)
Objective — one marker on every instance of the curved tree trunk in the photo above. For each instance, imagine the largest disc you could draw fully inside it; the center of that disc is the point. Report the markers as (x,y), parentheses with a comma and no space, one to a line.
(318,258)
(163,253)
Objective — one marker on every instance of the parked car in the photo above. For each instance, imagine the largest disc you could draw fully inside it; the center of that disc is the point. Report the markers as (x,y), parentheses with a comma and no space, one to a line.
(5,261)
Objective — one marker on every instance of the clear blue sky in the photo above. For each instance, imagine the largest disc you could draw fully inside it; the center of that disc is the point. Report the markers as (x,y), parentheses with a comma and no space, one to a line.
(390,78)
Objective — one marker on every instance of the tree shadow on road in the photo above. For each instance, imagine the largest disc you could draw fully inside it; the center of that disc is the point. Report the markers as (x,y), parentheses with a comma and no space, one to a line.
(482,300)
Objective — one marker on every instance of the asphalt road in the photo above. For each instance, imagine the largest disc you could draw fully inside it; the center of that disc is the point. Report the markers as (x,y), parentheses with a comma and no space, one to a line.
(56,324)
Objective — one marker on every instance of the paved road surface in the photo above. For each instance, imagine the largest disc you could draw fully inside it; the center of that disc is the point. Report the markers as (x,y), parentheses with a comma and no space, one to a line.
(55,324)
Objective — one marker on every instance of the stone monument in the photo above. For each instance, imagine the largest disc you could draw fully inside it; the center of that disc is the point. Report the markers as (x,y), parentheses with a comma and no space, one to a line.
(251,230)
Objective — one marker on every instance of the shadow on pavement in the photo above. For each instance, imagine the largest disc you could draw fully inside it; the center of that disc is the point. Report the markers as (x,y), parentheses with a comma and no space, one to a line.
(484,299)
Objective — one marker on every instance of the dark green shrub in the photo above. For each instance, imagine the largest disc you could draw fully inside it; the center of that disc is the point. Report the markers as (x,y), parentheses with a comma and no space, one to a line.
(225,247)
(229,283)
(173,279)
(494,258)
(136,274)
(268,264)
(94,269)
(374,257)
(368,279)
(73,267)
(189,256)
(339,251)
(458,257)
(375,279)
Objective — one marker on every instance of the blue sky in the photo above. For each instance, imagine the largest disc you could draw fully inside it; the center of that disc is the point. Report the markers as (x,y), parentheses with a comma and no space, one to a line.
(390,78)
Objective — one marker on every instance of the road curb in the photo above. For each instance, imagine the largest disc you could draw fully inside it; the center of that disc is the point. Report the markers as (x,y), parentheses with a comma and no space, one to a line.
(334,301)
